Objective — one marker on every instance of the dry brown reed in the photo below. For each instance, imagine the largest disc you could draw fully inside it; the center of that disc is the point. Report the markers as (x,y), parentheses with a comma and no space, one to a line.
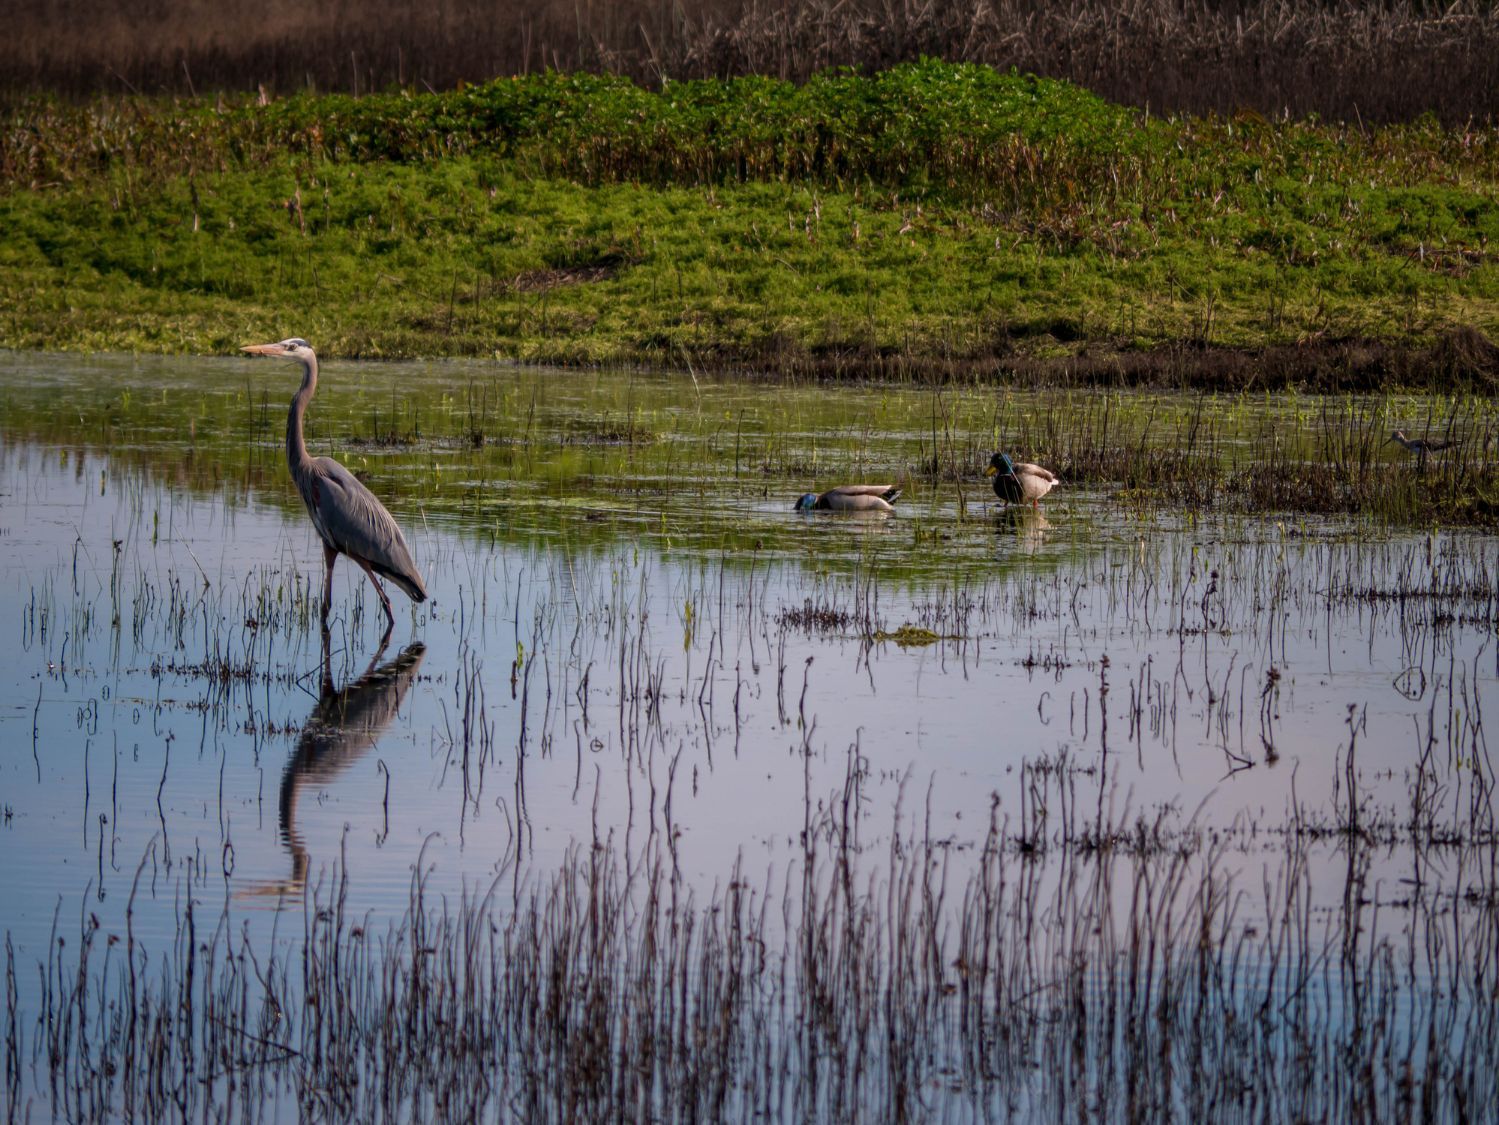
(1464,359)
(1378,62)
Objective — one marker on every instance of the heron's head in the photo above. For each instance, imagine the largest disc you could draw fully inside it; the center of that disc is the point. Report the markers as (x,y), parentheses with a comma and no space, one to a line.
(293,348)
(806,502)
(1398,435)
(1000,463)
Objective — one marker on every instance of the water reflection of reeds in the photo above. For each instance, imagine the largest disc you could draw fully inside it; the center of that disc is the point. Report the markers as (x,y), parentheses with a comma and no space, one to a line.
(1120,973)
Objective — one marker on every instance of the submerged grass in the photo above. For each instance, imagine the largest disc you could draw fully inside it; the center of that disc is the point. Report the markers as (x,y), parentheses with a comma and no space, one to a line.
(931,220)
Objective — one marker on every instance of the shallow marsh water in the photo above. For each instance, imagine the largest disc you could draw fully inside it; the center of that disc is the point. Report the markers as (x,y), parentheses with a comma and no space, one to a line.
(636,651)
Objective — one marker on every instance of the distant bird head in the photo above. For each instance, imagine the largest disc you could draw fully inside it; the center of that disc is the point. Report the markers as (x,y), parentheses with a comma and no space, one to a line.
(806,502)
(293,348)
(1398,435)
(1000,463)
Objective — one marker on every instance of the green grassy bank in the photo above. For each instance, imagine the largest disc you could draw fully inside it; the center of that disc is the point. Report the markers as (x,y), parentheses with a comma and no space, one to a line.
(928,219)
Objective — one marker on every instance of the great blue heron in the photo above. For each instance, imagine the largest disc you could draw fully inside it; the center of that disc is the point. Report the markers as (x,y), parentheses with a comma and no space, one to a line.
(1419,446)
(348,518)
(1020,483)
(851,498)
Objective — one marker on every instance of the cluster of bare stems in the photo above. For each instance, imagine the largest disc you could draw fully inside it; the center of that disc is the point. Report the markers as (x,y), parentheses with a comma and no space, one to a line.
(1368,62)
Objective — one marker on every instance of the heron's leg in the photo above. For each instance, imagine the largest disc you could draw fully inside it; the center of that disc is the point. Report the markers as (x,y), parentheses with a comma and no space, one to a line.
(390,625)
(326,688)
(329,554)
(380,649)
(379,589)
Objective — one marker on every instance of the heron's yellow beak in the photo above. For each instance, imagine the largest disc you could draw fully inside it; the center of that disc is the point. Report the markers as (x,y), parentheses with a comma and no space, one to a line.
(991,471)
(262,349)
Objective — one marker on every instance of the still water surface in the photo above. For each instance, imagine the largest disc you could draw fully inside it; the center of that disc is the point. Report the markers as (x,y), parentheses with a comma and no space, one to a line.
(631,643)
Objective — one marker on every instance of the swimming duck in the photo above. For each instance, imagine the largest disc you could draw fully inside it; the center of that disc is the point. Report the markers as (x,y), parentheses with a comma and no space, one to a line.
(850,498)
(1019,483)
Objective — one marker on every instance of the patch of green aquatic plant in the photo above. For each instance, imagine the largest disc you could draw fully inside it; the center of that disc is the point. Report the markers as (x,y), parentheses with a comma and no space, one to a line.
(493,451)
(911,636)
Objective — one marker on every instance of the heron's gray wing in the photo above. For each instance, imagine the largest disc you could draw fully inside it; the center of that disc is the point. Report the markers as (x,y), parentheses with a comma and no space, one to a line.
(354,521)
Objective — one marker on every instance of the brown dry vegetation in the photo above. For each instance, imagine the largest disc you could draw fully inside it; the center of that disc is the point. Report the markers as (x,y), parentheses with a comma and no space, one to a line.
(1461,360)
(1374,62)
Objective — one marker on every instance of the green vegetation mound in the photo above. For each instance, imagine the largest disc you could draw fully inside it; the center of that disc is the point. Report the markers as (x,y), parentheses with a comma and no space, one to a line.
(932,217)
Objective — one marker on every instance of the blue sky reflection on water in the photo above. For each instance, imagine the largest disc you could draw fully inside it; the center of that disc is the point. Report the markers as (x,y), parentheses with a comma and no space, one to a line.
(165,663)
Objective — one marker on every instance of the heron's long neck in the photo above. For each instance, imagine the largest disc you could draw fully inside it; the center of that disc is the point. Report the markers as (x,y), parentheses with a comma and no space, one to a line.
(296,448)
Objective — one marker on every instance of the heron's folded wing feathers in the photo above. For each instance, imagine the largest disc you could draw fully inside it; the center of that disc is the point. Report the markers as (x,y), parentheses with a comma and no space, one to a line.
(357,523)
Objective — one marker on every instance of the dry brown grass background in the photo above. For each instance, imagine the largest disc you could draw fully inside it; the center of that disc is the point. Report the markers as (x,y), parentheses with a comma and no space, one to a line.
(1353,61)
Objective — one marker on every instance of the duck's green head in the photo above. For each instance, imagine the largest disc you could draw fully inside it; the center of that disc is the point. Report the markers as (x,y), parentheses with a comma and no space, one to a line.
(806,502)
(1000,463)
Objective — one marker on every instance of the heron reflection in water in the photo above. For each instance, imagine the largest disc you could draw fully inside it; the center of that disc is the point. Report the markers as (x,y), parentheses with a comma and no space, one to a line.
(345,723)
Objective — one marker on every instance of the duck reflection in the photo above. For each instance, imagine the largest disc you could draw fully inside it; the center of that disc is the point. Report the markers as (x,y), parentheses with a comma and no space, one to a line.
(1028,526)
(345,723)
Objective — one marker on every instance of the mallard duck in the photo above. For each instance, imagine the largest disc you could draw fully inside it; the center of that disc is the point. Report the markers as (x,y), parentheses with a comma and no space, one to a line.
(1018,483)
(851,498)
